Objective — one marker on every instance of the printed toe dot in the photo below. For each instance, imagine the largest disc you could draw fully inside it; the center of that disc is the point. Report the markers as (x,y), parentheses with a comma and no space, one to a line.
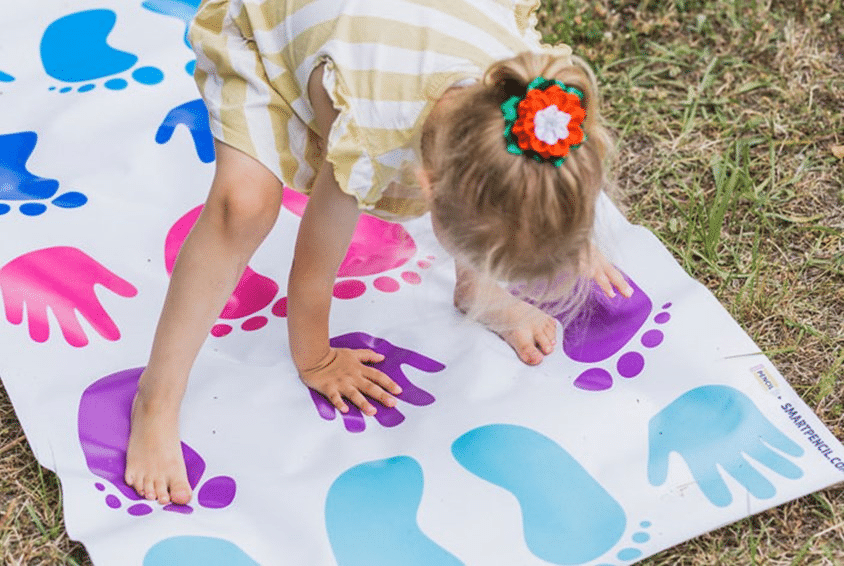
(33,208)
(140,510)
(662,318)
(411,277)
(254,323)
(652,338)
(280,307)
(594,379)
(112,501)
(630,364)
(386,284)
(116,84)
(217,492)
(641,537)
(220,330)
(181,509)
(629,554)
(99,486)
(423,264)
(349,289)
(148,75)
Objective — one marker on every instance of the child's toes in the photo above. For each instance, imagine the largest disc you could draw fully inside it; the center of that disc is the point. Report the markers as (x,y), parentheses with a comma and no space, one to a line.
(162,496)
(180,492)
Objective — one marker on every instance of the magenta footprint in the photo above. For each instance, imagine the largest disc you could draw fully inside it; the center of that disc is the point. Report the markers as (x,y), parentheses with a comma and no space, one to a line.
(104,423)
(253,293)
(605,327)
(377,247)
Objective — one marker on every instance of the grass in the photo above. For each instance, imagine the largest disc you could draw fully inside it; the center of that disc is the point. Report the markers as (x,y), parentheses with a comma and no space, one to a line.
(726,113)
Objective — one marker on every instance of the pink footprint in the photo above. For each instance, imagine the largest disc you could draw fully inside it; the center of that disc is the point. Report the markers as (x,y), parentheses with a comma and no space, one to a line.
(377,247)
(104,423)
(253,292)
(607,326)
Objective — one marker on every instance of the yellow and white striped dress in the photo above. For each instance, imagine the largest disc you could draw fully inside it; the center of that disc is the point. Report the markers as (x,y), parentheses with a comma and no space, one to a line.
(387,63)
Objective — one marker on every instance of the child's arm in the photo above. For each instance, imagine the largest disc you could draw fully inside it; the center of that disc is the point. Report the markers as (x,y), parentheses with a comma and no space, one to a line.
(325,231)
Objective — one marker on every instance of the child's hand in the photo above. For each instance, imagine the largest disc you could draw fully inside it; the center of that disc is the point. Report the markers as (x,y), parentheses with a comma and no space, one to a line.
(343,373)
(607,276)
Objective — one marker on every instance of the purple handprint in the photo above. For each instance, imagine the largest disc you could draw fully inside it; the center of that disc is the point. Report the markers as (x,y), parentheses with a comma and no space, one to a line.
(62,279)
(394,357)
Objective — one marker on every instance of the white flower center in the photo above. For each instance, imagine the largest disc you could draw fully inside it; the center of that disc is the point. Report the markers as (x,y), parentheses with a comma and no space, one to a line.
(551,125)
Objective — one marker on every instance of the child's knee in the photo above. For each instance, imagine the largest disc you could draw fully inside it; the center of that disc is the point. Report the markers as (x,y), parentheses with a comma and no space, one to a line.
(244,211)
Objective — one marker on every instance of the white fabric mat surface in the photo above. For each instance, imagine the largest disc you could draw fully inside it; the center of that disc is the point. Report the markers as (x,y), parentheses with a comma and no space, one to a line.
(657,419)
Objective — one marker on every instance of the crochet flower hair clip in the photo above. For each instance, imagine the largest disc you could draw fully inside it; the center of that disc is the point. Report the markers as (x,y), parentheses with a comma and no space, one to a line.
(546,123)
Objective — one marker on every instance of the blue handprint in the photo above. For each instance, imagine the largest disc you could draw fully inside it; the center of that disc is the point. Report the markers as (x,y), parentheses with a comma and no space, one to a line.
(716,425)
(194,115)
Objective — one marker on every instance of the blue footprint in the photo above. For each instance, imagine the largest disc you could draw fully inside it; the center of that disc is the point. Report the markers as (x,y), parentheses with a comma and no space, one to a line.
(74,50)
(18,184)
(568,518)
(181,9)
(196,551)
(370,515)
(4,78)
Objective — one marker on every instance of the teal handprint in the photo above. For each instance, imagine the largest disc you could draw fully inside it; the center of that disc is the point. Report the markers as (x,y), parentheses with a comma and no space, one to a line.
(716,425)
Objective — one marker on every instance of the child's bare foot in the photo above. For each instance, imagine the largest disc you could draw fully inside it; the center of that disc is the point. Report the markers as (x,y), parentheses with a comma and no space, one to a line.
(529,331)
(155,466)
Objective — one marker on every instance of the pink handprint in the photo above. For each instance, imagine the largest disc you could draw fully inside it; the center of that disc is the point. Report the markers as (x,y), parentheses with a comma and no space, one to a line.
(61,279)
(394,357)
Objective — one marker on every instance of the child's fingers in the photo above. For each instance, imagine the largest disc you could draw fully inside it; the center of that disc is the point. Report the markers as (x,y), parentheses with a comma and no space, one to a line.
(604,283)
(375,390)
(357,398)
(383,380)
(337,400)
(368,356)
(620,283)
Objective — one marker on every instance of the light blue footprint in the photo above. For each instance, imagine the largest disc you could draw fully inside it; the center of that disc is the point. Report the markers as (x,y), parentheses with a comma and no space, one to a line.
(4,78)
(74,49)
(567,516)
(370,515)
(196,551)
(181,9)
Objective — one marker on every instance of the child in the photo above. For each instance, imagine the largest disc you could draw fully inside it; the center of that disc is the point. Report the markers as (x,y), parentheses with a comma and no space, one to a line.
(383,107)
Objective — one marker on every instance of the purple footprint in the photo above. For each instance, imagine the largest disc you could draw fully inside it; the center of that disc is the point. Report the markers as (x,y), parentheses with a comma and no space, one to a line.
(606,326)
(394,357)
(104,413)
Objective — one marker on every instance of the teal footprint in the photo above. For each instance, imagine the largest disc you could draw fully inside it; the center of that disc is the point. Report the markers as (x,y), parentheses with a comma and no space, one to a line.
(370,516)
(567,517)
(74,50)
(196,551)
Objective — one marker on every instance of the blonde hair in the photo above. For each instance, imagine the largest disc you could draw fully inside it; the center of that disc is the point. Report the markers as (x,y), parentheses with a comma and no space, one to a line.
(513,218)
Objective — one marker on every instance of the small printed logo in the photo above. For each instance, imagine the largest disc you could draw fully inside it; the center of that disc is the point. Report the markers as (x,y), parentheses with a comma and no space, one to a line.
(765,378)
